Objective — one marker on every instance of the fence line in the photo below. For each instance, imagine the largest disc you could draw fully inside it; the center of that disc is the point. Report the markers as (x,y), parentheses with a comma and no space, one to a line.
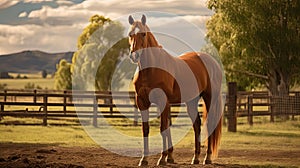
(88,104)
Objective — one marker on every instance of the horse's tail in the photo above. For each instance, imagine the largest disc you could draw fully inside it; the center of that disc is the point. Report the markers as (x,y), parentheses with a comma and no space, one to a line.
(216,138)
(212,116)
(214,122)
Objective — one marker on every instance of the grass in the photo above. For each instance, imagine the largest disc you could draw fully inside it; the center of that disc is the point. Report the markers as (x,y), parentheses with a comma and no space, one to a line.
(47,83)
(250,137)
(278,136)
(65,136)
(36,78)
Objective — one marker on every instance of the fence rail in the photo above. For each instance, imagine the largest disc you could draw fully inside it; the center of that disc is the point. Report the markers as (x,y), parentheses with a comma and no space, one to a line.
(46,104)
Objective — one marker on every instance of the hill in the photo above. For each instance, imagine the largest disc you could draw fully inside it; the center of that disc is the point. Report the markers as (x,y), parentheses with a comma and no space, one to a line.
(32,61)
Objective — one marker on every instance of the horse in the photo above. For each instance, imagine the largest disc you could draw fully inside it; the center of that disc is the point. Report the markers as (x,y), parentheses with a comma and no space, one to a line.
(163,79)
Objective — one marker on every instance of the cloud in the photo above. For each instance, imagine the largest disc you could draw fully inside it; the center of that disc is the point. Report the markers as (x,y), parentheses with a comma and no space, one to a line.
(130,6)
(7,3)
(64,3)
(179,33)
(23,14)
(36,1)
(56,28)
(36,37)
(78,13)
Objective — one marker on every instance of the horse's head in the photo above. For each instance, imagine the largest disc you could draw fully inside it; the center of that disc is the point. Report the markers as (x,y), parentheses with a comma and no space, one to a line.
(140,38)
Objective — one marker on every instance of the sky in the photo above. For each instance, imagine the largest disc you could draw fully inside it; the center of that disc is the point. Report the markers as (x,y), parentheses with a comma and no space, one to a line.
(54,25)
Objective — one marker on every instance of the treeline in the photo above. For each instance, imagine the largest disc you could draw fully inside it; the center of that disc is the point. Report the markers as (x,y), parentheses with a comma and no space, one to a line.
(6,75)
(29,85)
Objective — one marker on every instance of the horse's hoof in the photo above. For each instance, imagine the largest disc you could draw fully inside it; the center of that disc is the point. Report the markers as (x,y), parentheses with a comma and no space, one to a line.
(195,161)
(169,160)
(161,162)
(207,162)
(143,163)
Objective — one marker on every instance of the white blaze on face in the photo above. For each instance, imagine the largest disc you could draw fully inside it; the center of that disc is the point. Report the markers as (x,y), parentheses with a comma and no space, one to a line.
(134,56)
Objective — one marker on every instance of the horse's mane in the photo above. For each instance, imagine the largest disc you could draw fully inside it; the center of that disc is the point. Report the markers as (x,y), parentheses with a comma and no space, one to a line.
(151,40)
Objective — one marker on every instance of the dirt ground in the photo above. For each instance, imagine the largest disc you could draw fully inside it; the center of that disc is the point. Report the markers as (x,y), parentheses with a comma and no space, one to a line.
(54,156)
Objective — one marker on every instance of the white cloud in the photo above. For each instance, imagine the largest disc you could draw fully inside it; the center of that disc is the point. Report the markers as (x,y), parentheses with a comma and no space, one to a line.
(23,14)
(7,3)
(35,37)
(130,6)
(64,2)
(116,8)
(36,1)
(57,29)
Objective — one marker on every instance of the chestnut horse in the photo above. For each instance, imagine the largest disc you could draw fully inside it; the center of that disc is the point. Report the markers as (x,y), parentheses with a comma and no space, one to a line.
(163,79)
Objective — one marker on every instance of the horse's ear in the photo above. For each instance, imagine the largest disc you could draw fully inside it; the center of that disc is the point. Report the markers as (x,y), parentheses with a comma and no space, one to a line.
(130,20)
(143,19)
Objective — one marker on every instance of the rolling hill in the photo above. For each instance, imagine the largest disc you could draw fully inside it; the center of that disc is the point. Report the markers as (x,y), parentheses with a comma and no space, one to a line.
(32,61)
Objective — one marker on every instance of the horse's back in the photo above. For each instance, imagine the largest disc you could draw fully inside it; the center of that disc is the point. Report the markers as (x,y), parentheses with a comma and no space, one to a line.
(195,63)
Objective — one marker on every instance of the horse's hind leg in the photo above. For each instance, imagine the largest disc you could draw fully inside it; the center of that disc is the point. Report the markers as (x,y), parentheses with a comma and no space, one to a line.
(192,108)
(170,158)
(208,156)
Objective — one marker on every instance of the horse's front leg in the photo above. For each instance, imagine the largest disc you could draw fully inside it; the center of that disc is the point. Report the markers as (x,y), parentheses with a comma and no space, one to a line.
(167,151)
(145,122)
(170,158)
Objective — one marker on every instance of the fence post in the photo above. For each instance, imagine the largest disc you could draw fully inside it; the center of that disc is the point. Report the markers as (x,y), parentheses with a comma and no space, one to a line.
(45,110)
(65,102)
(250,110)
(5,97)
(34,96)
(95,112)
(272,108)
(1,110)
(232,97)
(297,103)
(2,107)
(111,109)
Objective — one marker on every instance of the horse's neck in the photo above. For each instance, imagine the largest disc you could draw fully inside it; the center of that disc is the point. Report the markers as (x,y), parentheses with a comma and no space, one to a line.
(153,59)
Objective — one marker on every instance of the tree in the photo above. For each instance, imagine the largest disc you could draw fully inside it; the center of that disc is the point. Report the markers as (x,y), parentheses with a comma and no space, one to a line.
(3,86)
(44,73)
(18,76)
(62,78)
(5,75)
(30,85)
(100,47)
(258,39)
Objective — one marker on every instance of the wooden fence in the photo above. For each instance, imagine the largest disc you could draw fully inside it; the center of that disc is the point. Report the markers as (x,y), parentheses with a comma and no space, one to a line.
(82,104)
(74,104)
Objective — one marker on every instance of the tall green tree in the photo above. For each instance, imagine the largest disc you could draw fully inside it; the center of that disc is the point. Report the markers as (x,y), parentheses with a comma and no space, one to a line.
(62,78)
(258,41)
(100,47)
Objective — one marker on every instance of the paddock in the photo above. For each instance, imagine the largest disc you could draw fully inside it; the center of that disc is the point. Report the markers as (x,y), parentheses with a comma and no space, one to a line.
(260,145)
(53,136)
(53,105)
